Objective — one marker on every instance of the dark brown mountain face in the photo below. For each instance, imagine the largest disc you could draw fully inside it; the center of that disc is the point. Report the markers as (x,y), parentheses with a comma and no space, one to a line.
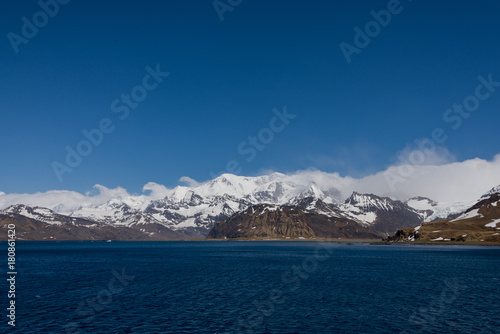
(388,221)
(488,207)
(281,222)
(390,215)
(381,215)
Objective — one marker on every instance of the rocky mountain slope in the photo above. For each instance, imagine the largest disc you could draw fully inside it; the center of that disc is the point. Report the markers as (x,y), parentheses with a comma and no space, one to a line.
(265,221)
(383,215)
(360,216)
(479,223)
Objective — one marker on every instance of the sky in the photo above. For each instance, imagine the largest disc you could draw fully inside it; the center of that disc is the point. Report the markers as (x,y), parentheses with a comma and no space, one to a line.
(167,89)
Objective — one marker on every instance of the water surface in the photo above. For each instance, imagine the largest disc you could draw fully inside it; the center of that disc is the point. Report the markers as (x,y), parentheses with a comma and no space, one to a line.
(255,287)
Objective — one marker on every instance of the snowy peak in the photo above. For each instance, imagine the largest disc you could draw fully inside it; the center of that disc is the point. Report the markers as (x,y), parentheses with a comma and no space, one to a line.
(330,196)
(316,205)
(117,213)
(107,212)
(313,191)
(194,213)
(494,190)
(46,216)
(431,211)
(191,198)
(426,208)
(274,188)
(229,184)
(369,202)
(380,213)
(37,213)
(25,209)
(273,192)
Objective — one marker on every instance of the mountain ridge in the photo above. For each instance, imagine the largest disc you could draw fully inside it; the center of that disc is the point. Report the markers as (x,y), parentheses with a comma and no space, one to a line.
(193,211)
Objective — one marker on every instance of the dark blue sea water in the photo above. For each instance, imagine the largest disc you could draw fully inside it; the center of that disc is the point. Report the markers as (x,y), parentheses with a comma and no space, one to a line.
(253,287)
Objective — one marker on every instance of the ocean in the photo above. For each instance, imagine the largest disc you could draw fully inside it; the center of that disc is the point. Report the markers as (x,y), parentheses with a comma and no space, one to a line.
(253,287)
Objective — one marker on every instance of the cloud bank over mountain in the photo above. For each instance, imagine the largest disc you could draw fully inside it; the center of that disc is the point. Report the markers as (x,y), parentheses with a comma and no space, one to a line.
(451,182)
(456,181)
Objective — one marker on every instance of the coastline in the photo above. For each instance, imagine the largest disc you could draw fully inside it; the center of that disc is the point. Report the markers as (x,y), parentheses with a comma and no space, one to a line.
(371,242)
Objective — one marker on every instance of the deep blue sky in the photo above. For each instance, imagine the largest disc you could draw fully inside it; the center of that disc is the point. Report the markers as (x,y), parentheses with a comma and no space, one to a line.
(225,79)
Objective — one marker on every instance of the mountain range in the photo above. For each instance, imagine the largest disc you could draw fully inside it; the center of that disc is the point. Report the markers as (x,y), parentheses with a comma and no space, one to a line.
(192,211)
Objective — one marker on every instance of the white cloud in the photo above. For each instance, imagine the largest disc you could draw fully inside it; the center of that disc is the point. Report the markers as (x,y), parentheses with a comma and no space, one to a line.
(456,181)
(447,182)
(441,181)
(107,193)
(65,201)
(415,155)
(189,181)
(156,191)
(53,199)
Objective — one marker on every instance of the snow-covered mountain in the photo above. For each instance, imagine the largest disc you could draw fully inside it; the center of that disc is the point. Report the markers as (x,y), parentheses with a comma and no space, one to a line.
(383,214)
(116,213)
(431,211)
(193,210)
(494,190)
(40,214)
(364,207)
(36,223)
(478,223)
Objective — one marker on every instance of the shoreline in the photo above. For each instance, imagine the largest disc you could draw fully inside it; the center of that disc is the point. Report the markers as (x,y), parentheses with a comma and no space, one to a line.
(371,242)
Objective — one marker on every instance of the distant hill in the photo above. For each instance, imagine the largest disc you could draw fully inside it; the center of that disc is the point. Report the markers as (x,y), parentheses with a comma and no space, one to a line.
(479,223)
(35,223)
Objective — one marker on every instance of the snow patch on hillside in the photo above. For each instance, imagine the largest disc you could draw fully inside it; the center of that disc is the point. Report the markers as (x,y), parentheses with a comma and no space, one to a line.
(493,223)
(471,214)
